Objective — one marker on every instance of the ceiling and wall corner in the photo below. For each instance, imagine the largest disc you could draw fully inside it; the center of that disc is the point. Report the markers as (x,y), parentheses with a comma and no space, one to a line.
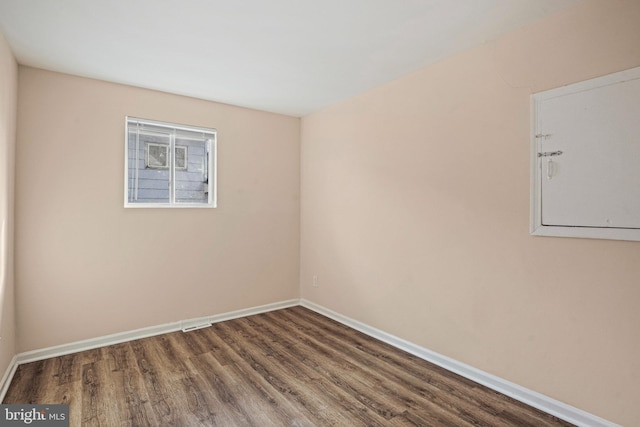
(283,56)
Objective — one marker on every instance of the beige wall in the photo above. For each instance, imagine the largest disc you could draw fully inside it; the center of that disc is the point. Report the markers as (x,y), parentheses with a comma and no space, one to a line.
(87,267)
(8,100)
(415,217)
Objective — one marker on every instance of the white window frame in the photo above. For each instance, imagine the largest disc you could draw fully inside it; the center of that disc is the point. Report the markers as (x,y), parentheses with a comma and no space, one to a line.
(172,128)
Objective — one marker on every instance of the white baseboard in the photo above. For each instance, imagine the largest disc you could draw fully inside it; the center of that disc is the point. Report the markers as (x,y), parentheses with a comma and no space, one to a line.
(544,403)
(74,347)
(7,377)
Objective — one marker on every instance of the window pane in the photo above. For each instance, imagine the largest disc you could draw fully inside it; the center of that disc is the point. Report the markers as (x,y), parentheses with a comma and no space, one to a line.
(149,174)
(191,170)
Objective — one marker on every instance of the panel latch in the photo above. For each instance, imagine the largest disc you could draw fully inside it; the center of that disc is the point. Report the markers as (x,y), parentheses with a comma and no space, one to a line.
(550,153)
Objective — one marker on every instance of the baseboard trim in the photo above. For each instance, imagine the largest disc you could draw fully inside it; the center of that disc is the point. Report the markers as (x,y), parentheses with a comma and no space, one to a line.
(74,347)
(544,403)
(7,377)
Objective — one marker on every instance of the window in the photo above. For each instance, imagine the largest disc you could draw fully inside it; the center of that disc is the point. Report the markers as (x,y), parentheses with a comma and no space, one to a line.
(158,156)
(169,165)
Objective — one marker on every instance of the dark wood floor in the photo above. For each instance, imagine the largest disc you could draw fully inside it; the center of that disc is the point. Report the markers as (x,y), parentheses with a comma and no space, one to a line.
(290,367)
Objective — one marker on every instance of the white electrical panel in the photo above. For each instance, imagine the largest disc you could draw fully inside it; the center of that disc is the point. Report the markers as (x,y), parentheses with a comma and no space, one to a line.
(585,163)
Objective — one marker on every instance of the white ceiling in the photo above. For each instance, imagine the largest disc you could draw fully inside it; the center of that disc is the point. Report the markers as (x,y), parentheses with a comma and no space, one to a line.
(286,56)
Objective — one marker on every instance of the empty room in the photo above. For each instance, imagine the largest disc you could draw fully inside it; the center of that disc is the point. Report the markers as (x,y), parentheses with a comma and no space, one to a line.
(309,213)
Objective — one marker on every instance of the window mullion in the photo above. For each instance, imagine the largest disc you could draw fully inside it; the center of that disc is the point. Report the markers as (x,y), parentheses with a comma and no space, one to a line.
(172,169)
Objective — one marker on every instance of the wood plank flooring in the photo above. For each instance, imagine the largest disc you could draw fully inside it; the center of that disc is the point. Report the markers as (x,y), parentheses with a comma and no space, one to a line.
(290,367)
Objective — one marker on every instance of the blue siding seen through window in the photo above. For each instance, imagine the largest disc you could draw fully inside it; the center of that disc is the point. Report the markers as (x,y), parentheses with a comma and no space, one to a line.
(169,166)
